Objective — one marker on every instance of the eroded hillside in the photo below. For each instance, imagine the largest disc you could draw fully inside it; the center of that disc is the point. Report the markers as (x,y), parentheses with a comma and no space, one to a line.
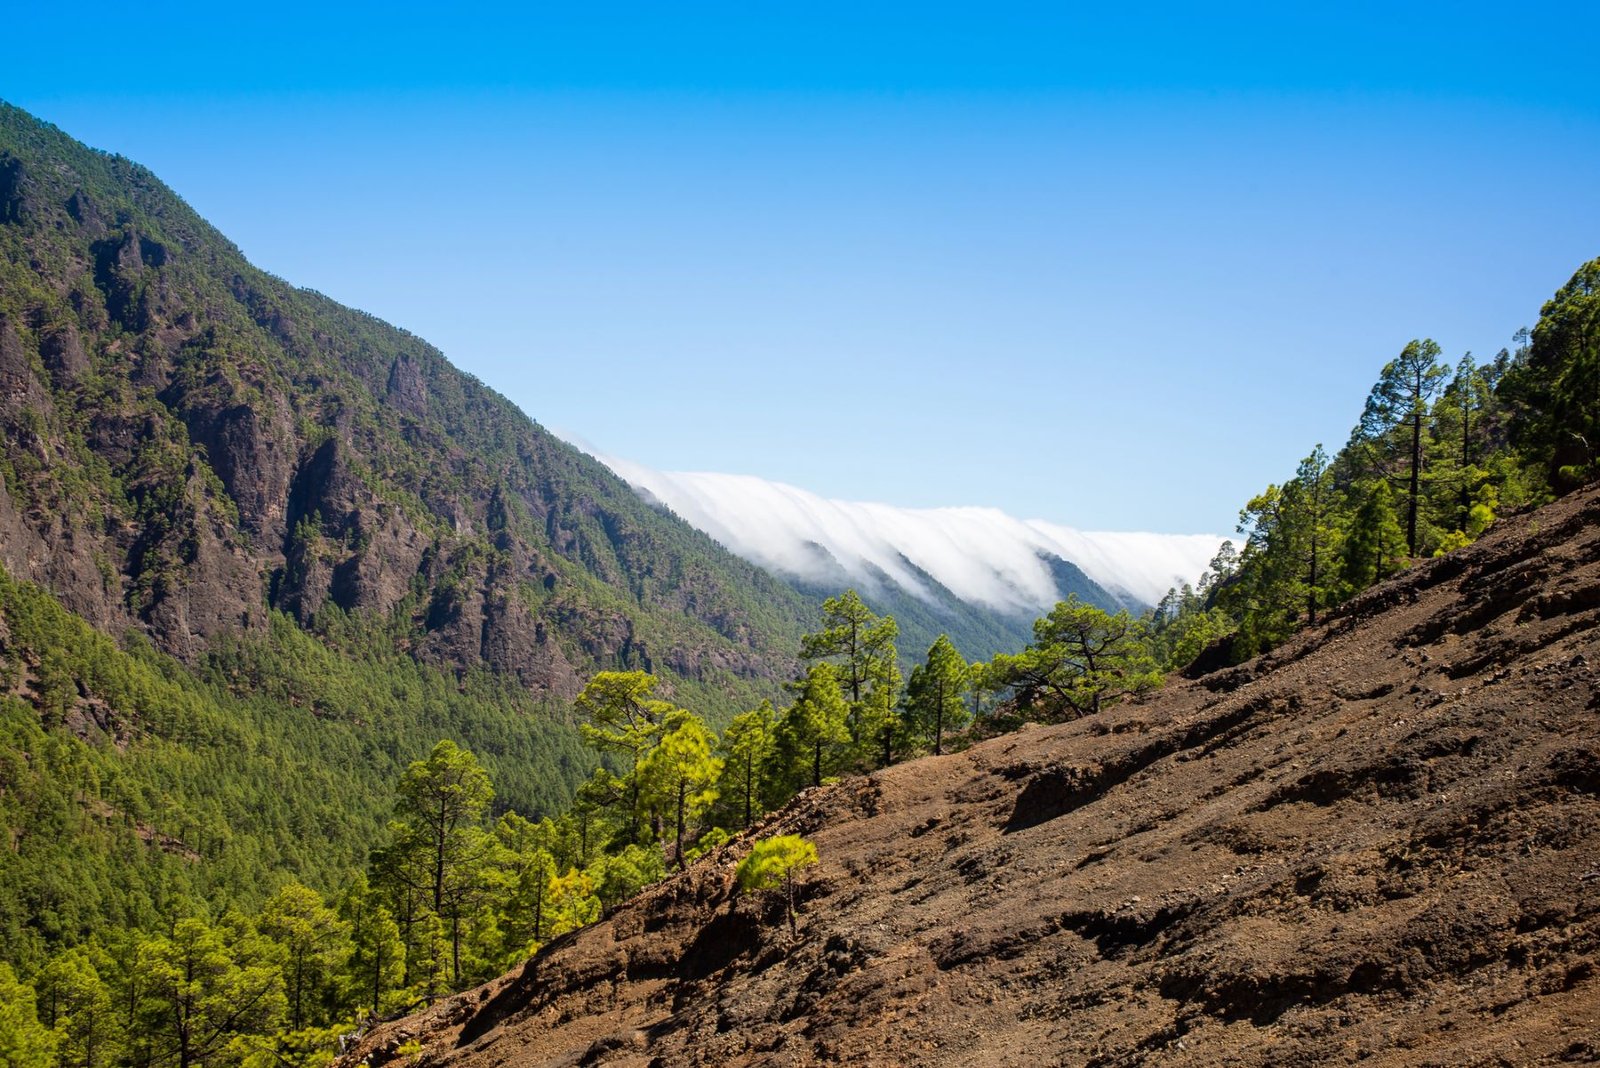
(1379,843)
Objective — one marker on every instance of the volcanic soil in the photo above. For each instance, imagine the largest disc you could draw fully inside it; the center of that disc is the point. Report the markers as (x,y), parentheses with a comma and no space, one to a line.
(1379,843)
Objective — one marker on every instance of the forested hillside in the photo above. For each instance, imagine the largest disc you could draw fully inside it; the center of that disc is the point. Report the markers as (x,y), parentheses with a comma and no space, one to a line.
(1441,449)
(191,445)
(259,551)
(330,683)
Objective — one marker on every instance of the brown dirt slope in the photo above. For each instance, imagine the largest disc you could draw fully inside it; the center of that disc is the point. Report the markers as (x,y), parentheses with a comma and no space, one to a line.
(1381,842)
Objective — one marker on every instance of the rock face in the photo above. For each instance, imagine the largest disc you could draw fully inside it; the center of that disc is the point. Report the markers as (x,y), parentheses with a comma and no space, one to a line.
(188,444)
(1379,843)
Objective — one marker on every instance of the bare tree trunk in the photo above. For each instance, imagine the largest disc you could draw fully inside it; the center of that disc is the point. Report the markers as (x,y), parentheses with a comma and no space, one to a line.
(749,785)
(455,948)
(683,787)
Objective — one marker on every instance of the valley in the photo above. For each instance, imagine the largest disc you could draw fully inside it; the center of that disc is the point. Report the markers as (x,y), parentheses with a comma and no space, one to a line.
(347,712)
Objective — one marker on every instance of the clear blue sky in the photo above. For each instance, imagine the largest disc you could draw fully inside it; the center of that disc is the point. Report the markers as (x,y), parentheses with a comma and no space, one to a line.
(1114,270)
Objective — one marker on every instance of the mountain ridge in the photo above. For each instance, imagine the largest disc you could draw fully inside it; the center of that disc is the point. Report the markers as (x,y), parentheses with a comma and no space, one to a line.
(976,573)
(193,443)
(252,538)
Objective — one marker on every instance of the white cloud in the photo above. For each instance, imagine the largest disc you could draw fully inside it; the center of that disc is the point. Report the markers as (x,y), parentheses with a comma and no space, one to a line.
(982,555)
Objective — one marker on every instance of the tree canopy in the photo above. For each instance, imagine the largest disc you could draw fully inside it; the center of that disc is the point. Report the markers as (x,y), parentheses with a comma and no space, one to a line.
(1082,659)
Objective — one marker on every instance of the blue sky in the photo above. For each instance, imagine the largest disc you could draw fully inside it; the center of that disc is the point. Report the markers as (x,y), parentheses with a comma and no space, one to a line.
(1111,270)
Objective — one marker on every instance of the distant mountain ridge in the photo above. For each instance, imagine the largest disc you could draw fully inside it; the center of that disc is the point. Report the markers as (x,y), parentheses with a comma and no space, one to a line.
(976,572)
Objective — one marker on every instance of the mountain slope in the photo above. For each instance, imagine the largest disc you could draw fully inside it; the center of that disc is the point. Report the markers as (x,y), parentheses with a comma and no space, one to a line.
(1377,843)
(191,444)
(259,551)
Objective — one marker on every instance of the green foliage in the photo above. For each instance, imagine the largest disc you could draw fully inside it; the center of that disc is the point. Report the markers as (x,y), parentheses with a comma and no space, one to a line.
(862,647)
(528,865)
(1556,388)
(573,902)
(681,771)
(313,942)
(1374,546)
(935,698)
(746,748)
(1288,569)
(1081,660)
(1390,437)
(625,718)
(1182,625)
(76,1003)
(441,800)
(810,732)
(618,876)
(438,848)
(983,688)
(24,1041)
(773,863)
(373,972)
(206,994)
(710,842)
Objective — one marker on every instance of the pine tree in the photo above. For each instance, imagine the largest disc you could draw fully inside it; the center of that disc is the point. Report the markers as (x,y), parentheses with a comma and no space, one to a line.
(1287,571)
(746,746)
(772,863)
(76,1003)
(1394,421)
(523,920)
(1263,593)
(981,684)
(203,987)
(1374,544)
(936,695)
(25,1042)
(810,728)
(682,771)
(375,967)
(573,902)
(620,875)
(862,646)
(314,942)
(1081,659)
(440,799)
(441,802)
(1557,387)
(399,878)
(1312,505)
(624,716)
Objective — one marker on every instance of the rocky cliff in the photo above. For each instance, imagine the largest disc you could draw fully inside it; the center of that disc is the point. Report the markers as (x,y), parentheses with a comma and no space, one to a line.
(191,444)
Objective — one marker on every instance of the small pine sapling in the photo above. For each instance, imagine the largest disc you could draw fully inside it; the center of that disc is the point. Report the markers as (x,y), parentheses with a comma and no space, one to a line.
(772,864)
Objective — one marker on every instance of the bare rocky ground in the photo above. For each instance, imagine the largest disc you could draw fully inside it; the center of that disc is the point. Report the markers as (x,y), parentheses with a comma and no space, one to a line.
(1379,843)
